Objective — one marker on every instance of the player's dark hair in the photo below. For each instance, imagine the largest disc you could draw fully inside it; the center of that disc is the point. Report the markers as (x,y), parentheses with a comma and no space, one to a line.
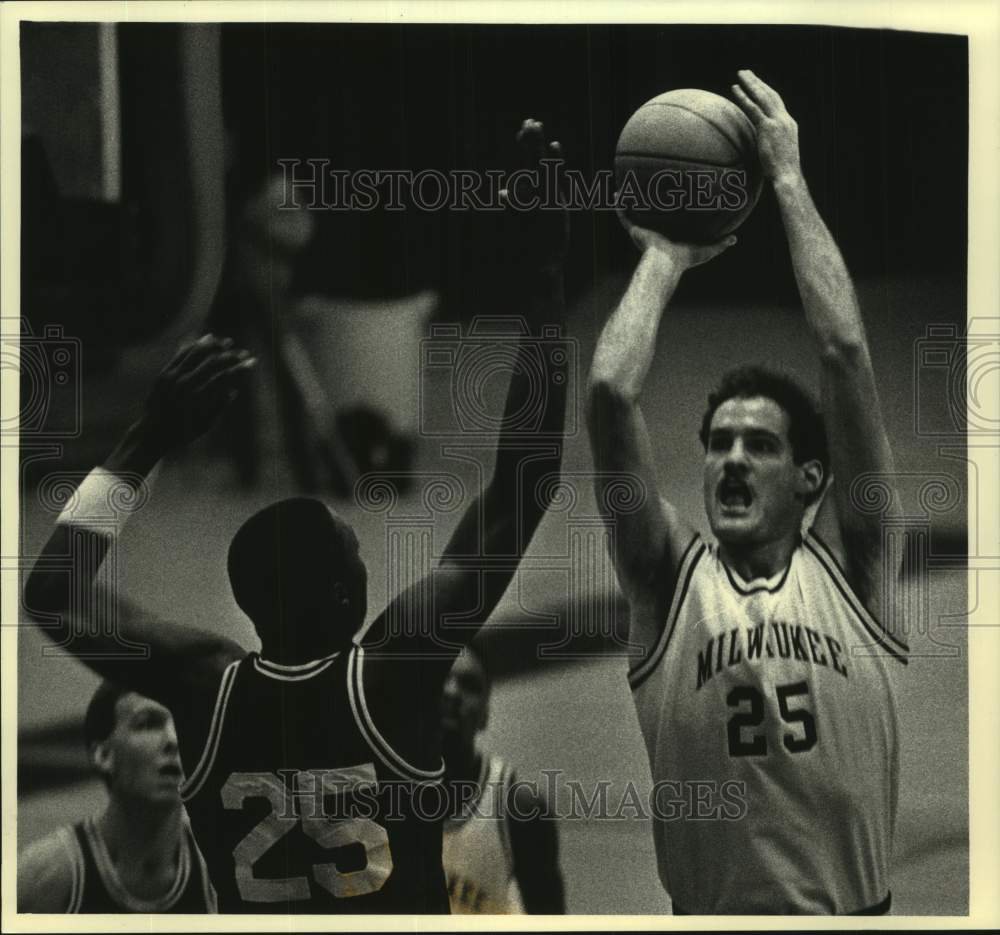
(290,566)
(101,717)
(806,431)
(99,721)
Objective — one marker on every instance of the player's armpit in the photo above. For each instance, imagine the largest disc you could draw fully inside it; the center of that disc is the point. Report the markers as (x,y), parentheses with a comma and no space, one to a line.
(647,535)
(534,844)
(177,665)
(417,638)
(861,462)
(435,617)
(45,875)
(412,645)
(182,669)
(859,556)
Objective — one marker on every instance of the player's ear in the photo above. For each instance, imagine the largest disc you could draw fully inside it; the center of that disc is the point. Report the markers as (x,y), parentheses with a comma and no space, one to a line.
(810,478)
(103,758)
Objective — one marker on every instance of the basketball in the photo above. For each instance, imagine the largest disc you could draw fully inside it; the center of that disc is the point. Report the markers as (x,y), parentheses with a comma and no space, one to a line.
(686,166)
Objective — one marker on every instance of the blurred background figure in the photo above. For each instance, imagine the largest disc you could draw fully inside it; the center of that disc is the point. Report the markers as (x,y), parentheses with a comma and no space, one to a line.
(254,307)
(501,848)
(138,855)
(329,436)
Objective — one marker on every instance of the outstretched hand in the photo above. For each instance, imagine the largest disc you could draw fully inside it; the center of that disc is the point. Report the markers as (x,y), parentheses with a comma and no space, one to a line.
(542,221)
(777,132)
(193,390)
(682,255)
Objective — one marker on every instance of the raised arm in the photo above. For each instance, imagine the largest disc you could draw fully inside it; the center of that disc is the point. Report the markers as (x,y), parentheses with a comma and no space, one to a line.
(856,431)
(648,535)
(483,553)
(63,594)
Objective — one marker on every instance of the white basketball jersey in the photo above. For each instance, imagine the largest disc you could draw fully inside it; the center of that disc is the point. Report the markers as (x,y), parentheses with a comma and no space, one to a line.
(768,716)
(476,852)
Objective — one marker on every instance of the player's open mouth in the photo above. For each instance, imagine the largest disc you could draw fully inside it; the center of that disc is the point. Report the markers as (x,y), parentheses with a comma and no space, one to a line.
(172,771)
(734,495)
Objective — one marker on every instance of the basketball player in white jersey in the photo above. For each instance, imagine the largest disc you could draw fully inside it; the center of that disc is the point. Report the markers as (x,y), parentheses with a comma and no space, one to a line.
(501,852)
(139,854)
(764,662)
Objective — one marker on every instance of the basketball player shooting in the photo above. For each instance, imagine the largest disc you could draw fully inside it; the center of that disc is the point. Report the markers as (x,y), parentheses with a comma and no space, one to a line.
(764,662)
(312,765)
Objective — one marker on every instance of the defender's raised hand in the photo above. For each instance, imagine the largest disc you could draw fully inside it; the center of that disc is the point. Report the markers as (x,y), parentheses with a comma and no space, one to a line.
(542,221)
(777,132)
(193,390)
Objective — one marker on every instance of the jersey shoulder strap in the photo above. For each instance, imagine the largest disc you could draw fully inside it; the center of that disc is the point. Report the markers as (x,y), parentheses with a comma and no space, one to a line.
(74,843)
(381,747)
(884,638)
(200,880)
(196,779)
(689,561)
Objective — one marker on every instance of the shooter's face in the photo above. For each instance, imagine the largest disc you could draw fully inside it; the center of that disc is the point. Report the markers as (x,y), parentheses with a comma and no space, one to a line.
(464,702)
(753,488)
(141,755)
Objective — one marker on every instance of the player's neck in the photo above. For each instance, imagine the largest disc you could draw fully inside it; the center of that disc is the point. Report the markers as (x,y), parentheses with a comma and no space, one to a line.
(760,560)
(291,653)
(138,835)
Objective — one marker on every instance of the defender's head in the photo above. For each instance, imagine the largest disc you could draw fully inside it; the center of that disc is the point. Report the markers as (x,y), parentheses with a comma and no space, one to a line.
(766,457)
(296,573)
(465,701)
(133,745)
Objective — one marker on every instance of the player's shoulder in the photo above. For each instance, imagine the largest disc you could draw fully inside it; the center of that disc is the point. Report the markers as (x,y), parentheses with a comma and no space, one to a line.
(681,544)
(679,535)
(390,710)
(685,552)
(48,871)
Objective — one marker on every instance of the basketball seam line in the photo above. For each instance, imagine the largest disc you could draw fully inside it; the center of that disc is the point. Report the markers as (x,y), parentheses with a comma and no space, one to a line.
(690,162)
(711,123)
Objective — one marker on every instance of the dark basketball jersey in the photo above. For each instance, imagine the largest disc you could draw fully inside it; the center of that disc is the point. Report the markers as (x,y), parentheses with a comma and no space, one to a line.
(96,886)
(301,806)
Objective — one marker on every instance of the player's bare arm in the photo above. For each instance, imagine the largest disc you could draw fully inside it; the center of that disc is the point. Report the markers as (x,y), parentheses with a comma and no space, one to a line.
(70,606)
(648,542)
(482,554)
(857,436)
(534,844)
